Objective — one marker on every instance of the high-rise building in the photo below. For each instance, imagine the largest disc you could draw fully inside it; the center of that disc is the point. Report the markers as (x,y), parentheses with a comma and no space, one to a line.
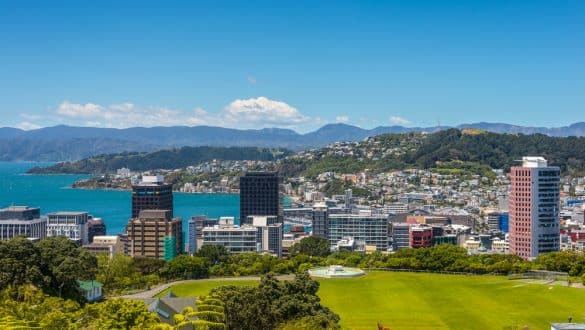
(154,234)
(534,208)
(72,225)
(22,221)
(95,227)
(236,239)
(319,223)
(195,235)
(269,233)
(372,229)
(263,234)
(260,194)
(400,236)
(152,194)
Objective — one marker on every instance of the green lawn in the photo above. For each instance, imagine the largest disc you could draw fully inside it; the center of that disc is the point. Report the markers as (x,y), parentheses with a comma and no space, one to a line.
(201,288)
(433,301)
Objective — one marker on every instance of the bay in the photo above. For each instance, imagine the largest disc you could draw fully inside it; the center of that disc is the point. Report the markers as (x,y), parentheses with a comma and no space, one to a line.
(53,193)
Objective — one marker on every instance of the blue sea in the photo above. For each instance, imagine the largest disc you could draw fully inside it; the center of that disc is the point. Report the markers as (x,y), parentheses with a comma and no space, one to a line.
(53,193)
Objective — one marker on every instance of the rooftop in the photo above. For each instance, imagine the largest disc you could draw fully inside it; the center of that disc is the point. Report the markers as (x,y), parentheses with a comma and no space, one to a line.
(534,162)
(67,213)
(17,208)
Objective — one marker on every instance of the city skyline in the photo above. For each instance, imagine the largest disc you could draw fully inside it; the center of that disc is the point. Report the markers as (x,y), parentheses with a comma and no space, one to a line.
(293,65)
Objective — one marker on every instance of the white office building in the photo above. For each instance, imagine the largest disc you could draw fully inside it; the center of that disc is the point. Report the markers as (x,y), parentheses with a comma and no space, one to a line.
(372,229)
(72,225)
(22,221)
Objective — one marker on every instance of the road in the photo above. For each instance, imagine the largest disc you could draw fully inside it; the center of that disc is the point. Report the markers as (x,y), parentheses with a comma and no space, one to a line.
(160,288)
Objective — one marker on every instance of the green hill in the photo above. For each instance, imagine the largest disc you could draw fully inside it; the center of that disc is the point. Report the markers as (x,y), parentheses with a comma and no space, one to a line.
(450,149)
(162,159)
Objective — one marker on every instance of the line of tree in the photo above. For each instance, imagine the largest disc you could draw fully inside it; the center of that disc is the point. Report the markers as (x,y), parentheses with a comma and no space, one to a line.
(122,274)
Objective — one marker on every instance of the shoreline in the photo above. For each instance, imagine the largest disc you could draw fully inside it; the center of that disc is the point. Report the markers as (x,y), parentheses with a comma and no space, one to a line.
(174,191)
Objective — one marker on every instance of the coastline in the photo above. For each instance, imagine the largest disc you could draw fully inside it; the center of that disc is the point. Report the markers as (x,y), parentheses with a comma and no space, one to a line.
(174,191)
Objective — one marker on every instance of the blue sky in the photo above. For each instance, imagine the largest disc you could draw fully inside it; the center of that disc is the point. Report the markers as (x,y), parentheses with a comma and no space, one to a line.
(294,64)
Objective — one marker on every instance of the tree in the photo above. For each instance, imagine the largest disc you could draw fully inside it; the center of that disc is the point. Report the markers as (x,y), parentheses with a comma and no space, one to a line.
(30,306)
(214,253)
(20,263)
(65,263)
(118,314)
(273,303)
(148,266)
(121,273)
(52,264)
(187,267)
(312,246)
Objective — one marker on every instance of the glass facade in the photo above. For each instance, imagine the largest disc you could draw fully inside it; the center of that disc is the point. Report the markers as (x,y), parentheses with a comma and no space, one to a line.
(260,194)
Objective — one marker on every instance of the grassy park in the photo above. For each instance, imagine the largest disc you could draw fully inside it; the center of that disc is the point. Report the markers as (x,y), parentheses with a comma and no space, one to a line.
(436,301)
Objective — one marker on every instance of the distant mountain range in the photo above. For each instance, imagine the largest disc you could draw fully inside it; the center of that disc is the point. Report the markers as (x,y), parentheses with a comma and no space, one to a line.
(60,143)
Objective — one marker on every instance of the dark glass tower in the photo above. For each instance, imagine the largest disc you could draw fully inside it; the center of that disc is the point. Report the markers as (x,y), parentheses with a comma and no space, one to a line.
(260,194)
(152,194)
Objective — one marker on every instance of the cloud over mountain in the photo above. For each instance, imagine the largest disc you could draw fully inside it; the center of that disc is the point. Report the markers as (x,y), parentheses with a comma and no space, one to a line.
(253,113)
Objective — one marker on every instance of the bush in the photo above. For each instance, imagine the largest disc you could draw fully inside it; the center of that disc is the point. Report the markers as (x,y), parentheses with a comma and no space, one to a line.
(210,308)
(210,316)
(206,325)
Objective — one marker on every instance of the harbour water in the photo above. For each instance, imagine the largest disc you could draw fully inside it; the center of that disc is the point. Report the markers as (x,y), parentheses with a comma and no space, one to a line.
(53,193)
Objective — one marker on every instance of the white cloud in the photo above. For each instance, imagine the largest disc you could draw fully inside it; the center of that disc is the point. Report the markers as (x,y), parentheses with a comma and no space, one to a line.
(124,115)
(88,110)
(252,80)
(342,119)
(27,126)
(262,111)
(251,113)
(396,120)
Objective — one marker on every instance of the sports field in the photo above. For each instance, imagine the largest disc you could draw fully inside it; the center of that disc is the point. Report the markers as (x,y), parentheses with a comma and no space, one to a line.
(433,301)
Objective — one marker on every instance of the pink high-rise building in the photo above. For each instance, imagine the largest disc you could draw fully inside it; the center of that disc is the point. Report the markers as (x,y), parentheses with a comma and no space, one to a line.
(534,208)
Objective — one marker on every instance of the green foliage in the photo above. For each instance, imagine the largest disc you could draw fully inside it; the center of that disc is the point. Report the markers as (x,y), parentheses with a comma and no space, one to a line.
(186,267)
(119,314)
(272,303)
(65,263)
(335,164)
(572,262)
(211,316)
(318,321)
(29,305)
(214,253)
(162,159)
(52,264)
(447,258)
(121,273)
(312,246)
(450,152)
(498,150)
(211,308)
(207,325)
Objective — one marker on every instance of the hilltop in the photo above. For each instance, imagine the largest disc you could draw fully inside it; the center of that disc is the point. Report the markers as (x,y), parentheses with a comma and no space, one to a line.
(471,151)
(163,159)
(452,149)
(67,143)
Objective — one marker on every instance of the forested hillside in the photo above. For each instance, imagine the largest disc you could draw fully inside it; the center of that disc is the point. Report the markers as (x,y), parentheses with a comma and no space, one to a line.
(162,159)
(466,150)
